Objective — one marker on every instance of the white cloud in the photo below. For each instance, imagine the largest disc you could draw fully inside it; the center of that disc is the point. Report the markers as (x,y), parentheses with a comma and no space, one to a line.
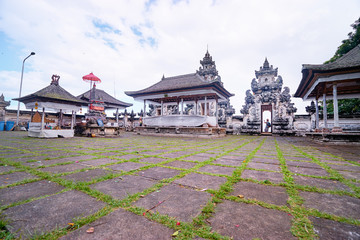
(69,41)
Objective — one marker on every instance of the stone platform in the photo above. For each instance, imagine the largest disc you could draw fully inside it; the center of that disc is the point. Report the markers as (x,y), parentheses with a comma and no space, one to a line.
(200,132)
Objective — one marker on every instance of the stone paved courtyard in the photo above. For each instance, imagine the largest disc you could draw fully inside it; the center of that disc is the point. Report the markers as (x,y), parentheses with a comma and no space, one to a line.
(138,187)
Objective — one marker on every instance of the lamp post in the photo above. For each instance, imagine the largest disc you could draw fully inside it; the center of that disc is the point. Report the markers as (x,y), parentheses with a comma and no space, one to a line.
(22,74)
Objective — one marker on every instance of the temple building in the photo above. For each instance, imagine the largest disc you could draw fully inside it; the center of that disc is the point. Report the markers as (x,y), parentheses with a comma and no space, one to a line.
(184,104)
(268,108)
(54,98)
(336,80)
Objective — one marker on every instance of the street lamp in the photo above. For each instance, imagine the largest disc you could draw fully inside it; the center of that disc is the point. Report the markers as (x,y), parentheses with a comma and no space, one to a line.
(22,74)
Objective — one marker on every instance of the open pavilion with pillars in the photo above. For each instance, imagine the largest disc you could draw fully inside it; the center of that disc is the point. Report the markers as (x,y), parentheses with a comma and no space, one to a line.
(336,80)
(203,89)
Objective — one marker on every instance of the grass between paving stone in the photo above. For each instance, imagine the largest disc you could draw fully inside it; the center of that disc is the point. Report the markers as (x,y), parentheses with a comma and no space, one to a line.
(333,174)
(301,225)
(186,229)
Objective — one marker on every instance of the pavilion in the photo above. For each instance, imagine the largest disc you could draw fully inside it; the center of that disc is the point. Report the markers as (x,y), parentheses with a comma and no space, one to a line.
(55,98)
(336,80)
(184,102)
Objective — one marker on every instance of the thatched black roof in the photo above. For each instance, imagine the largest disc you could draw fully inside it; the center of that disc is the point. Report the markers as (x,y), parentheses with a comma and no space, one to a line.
(181,82)
(52,93)
(108,100)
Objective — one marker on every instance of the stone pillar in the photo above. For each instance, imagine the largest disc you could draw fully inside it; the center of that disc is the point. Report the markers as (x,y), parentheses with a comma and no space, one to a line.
(72,119)
(42,119)
(216,111)
(317,114)
(336,127)
(205,106)
(162,107)
(196,107)
(324,111)
(117,116)
(144,114)
(182,106)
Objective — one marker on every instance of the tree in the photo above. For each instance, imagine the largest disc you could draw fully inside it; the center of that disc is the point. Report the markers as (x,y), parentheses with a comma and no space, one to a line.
(348,44)
(346,106)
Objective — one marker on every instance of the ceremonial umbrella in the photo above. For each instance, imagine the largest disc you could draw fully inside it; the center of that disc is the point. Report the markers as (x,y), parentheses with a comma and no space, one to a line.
(91,78)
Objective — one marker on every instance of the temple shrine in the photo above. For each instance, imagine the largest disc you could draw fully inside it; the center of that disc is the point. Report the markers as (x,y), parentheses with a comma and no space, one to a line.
(184,104)
(268,108)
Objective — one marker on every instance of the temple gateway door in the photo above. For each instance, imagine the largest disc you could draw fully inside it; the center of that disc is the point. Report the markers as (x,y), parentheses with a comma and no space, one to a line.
(266,118)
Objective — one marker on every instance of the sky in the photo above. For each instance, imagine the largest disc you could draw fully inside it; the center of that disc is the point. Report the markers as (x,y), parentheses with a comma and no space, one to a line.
(131,44)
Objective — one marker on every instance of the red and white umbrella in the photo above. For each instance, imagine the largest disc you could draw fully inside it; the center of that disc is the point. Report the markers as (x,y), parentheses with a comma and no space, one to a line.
(91,78)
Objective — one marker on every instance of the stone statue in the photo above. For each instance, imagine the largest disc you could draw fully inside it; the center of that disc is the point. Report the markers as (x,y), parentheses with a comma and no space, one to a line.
(254,85)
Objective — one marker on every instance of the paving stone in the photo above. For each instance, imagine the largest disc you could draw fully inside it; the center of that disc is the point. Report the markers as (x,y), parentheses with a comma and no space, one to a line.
(266,193)
(4,169)
(233,157)
(175,154)
(172,197)
(321,183)
(227,161)
(303,164)
(273,177)
(350,175)
(121,224)
(206,154)
(266,166)
(334,204)
(308,171)
(159,173)
(247,221)
(110,153)
(126,166)
(348,167)
(217,170)
(28,190)
(63,168)
(201,181)
(297,158)
(48,213)
(197,158)
(123,186)
(152,160)
(129,156)
(331,230)
(97,162)
(266,160)
(181,164)
(87,175)
(7,179)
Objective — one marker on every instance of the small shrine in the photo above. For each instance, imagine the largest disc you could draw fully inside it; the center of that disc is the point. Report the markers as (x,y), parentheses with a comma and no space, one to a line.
(184,104)
(54,98)
(98,100)
(268,108)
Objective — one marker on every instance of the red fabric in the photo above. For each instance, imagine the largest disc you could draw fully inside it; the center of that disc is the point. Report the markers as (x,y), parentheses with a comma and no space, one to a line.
(91,78)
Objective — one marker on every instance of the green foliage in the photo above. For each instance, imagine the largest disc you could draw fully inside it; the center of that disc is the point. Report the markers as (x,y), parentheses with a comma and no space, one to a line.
(346,106)
(350,43)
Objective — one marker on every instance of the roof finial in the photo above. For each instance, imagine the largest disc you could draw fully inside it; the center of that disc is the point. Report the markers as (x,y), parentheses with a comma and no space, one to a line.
(163,77)
(266,63)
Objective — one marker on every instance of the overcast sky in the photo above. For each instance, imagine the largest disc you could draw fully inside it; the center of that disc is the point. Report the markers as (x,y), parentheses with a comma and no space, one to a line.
(131,44)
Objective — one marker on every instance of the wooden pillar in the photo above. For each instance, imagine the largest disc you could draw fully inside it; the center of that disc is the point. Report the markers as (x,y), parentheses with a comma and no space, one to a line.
(336,109)
(42,119)
(324,111)
(32,115)
(60,119)
(317,113)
